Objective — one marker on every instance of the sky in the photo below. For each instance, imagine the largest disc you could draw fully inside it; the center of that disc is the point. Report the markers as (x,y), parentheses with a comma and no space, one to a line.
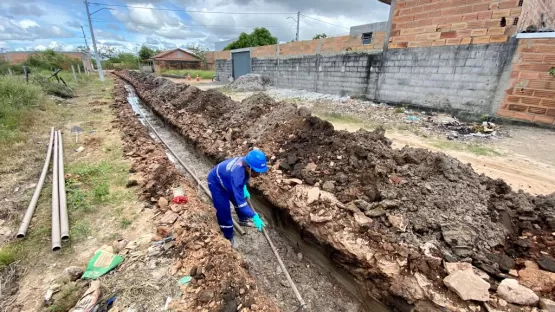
(29,25)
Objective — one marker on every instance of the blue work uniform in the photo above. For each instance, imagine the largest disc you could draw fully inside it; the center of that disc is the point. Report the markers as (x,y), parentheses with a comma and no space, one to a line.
(226,182)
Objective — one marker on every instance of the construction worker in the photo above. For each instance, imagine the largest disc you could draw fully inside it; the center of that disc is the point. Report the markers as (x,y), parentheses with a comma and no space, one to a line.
(228,182)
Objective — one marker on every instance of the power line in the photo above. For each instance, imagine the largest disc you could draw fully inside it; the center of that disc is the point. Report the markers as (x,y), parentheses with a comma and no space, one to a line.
(187,25)
(186,11)
(321,21)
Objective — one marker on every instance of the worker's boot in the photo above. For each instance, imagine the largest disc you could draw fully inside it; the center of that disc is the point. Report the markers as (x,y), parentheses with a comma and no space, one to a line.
(247,223)
(234,244)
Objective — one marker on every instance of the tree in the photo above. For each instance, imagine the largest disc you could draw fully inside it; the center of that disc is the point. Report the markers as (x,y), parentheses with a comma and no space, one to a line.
(200,52)
(107,52)
(259,37)
(319,36)
(145,52)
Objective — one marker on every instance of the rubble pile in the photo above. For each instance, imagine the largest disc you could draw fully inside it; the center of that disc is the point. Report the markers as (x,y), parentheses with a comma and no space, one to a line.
(218,278)
(250,82)
(395,219)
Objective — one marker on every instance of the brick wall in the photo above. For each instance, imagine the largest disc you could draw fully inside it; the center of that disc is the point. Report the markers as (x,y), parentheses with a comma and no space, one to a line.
(328,45)
(531,92)
(424,23)
(532,11)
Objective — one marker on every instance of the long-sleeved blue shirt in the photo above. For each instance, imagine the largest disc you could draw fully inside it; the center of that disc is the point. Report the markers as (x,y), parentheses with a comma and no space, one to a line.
(230,174)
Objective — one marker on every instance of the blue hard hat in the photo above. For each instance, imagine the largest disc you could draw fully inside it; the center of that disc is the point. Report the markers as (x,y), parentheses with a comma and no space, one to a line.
(256,159)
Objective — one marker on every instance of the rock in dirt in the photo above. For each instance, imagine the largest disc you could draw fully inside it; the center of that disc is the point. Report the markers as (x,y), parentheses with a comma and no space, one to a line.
(452,267)
(292,181)
(250,82)
(328,186)
(163,203)
(132,183)
(312,195)
(73,272)
(546,263)
(362,220)
(398,222)
(374,213)
(468,285)
(320,219)
(510,290)
(547,305)
(169,217)
(537,280)
(205,296)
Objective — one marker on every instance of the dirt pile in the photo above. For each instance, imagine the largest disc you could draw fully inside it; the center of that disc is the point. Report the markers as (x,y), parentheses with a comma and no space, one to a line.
(220,281)
(250,82)
(390,217)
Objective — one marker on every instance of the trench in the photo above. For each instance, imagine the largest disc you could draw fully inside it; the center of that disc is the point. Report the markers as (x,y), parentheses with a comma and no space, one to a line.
(323,285)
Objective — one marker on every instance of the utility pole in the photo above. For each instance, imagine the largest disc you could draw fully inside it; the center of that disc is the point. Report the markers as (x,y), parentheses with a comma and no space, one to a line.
(298,23)
(85,37)
(98,63)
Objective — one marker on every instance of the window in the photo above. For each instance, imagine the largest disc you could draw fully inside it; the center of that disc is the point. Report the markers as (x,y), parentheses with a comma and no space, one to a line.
(515,22)
(520,3)
(367,38)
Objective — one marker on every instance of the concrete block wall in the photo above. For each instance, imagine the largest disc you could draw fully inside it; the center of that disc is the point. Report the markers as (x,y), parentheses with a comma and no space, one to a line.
(530,94)
(453,78)
(223,69)
(424,23)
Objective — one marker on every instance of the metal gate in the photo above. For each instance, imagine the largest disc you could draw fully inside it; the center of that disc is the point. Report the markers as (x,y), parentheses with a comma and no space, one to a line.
(241,62)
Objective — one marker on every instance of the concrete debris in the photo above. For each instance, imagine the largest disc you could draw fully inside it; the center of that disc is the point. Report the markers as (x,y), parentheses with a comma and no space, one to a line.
(374,213)
(452,267)
(292,181)
(362,220)
(537,280)
(547,263)
(328,186)
(250,82)
(398,222)
(73,272)
(169,217)
(163,203)
(468,285)
(510,290)
(547,305)
(320,219)
(312,195)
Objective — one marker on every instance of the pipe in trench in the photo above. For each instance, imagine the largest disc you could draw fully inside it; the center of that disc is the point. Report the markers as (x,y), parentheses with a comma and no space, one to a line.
(56,239)
(237,226)
(64,219)
(33,204)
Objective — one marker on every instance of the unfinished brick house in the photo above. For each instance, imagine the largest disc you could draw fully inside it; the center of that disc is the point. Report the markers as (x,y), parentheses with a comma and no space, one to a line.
(175,59)
(468,57)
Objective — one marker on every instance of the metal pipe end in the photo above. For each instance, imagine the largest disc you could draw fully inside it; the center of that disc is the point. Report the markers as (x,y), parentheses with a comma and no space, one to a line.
(56,248)
(20,235)
(65,238)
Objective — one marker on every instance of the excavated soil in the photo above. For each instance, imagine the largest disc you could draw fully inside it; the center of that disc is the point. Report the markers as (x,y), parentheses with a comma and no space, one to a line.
(220,280)
(389,217)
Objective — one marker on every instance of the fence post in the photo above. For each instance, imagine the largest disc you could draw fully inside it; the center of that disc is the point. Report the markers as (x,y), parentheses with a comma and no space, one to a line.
(79,69)
(73,70)
(10,71)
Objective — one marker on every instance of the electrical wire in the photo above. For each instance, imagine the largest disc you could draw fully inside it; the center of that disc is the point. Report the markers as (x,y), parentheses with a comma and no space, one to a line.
(187,25)
(186,11)
(321,21)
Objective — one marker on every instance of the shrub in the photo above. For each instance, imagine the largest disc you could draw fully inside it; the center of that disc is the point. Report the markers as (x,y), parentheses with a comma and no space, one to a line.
(15,98)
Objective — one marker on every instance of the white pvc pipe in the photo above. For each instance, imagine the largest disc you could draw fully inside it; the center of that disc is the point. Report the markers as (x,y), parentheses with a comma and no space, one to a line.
(64,219)
(56,239)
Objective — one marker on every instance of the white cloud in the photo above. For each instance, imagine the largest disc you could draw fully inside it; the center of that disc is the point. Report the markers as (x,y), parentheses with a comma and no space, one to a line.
(26,23)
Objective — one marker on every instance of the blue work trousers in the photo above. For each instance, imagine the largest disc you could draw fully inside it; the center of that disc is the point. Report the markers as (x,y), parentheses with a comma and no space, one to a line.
(221,199)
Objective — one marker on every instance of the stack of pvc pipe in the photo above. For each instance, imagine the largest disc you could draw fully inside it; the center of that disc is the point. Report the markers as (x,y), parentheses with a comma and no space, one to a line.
(60,220)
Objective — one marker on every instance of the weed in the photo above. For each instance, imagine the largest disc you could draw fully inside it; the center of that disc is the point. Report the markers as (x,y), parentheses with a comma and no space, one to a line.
(53,87)
(7,257)
(331,117)
(399,110)
(101,191)
(203,74)
(125,223)
(77,200)
(473,148)
(80,230)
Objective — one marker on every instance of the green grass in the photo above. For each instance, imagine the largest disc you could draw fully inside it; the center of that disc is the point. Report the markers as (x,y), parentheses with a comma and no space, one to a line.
(399,110)
(7,257)
(80,230)
(203,74)
(474,148)
(16,100)
(125,223)
(336,117)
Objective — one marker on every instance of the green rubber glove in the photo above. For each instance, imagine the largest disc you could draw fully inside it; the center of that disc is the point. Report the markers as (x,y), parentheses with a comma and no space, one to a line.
(258,222)
(246,192)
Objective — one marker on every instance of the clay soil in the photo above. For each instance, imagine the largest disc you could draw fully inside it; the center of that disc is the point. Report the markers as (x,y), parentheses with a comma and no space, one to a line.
(389,217)
(220,278)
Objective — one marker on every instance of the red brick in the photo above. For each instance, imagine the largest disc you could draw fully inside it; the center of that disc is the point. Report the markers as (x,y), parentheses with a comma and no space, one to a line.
(458,2)
(550,58)
(551,112)
(457,26)
(449,12)
(516,12)
(466,40)
(544,94)
(495,31)
(544,119)
(401,19)
(480,40)
(412,24)
(403,12)
(439,21)
(541,67)
(528,75)
(544,48)
(538,84)
(492,23)
(505,113)
(453,41)
(476,24)
(498,38)
(524,116)
(425,22)
(514,74)
(479,32)
(523,92)
(530,100)
(443,27)
(545,76)
(518,108)
(470,17)
(431,28)
(484,15)
(537,110)
(508,4)
(548,103)
(513,99)
(440,42)
(449,34)
(481,7)
(398,45)
(501,13)
(420,16)
(532,58)
(464,10)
